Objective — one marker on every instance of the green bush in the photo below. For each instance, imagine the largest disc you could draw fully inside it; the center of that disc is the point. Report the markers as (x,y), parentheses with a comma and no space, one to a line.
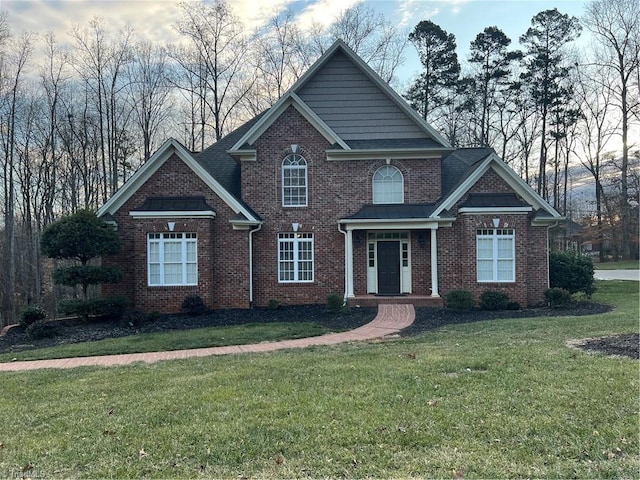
(558,297)
(513,306)
(42,329)
(193,305)
(31,314)
(273,304)
(154,316)
(134,318)
(460,300)
(107,307)
(492,300)
(335,304)
(571,271)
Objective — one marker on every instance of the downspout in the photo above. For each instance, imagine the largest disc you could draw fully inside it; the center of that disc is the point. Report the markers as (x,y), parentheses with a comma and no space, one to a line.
(251,232)
(346,272)
(549,252)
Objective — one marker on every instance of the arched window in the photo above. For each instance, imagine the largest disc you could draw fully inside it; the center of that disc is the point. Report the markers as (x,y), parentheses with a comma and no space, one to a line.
(294,181)
(388,185)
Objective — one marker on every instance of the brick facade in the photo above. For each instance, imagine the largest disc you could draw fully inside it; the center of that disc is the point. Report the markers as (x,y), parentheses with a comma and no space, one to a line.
(223,270)
(336,189)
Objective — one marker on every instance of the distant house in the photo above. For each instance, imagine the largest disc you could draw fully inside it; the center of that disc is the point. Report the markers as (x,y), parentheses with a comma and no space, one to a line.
(340,187)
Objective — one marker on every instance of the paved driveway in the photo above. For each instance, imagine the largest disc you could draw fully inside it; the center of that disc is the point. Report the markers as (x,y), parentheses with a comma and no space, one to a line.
(617,275)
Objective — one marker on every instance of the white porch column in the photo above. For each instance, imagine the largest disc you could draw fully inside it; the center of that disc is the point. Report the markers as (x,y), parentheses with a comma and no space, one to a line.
(348,262)
(434,263)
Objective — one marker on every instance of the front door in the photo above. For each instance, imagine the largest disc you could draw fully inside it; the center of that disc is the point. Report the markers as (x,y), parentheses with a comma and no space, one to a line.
(388,268)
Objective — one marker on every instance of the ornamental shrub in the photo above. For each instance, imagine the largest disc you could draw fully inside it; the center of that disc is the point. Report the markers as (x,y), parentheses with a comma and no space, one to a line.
(335,304)
(558,297)
(193,305)
(112,308)
(572,271)
(42,329)
(492,300)
(31,314)
(460,300)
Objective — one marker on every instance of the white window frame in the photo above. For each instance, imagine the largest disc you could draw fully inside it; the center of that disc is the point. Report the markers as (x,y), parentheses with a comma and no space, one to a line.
(497,257)
(160,241)
(295,258)
(294,163)
(387,185)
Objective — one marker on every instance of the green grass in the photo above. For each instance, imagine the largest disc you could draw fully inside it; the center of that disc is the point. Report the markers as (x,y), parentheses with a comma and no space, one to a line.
(621,265)
(495,399)
(174,340)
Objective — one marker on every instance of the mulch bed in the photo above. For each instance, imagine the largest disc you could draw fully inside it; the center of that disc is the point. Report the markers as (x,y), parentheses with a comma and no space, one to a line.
(74,331)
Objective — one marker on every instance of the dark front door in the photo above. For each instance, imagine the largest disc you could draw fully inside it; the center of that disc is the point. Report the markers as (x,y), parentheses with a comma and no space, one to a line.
(388,268)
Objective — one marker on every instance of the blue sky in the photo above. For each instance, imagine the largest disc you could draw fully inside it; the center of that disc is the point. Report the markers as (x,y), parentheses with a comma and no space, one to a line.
(153,19)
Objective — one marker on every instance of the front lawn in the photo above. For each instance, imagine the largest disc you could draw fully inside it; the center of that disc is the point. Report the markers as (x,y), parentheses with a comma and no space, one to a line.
(620,265)
(492,399)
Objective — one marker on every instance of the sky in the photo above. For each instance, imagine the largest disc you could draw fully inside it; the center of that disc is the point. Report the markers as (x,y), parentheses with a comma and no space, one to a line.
(154,19)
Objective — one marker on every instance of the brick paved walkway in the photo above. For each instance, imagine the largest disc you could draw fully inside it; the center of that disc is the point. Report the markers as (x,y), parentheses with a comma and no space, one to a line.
(389,320)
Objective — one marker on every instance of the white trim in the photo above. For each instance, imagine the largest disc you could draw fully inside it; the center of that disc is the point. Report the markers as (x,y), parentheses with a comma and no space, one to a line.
(434,263)
(290,99)
(494,237)
(152,165)
(176,214)
(296,239)
(161,241)
(508,175)
(385,224)
(489,210)
(334,155)
(381,184)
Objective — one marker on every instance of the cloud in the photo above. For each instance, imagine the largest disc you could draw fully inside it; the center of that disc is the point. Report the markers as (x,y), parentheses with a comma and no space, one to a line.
(323,12)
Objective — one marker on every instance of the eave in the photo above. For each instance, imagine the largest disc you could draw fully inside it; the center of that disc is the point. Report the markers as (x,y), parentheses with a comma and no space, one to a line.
(335,154)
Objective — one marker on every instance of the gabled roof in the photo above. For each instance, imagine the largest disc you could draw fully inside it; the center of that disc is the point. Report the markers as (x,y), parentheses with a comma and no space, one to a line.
(477,163)
(169,148)
(291,98)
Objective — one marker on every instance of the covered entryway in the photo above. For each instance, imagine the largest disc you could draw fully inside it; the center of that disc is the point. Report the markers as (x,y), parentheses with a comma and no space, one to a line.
(388,255)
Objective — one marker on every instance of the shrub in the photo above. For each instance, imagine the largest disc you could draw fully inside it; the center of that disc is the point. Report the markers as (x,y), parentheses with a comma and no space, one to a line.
(154,316)
(31,314)
(558,297)
(571,271)
(273,304)
(460,300)
(42,329)
(335,304)
(193,305)
(513,306)
(109,307)
(492,300)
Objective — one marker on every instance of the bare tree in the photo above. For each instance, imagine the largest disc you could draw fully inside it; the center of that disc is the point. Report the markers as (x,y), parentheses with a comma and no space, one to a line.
(616,27)
(13,62)
(101,62)
(149,92)
(215,60)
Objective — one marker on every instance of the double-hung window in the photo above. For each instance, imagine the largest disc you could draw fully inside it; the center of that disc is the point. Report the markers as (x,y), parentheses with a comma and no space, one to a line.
(294,181)
(495,255)
(172,259)
(295,257)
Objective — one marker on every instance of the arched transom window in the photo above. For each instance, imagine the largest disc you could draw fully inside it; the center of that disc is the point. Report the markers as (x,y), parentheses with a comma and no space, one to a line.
(294,181)
(388,185)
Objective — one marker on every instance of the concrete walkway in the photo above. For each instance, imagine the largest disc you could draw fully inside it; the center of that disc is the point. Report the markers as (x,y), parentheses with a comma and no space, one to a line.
(390,320)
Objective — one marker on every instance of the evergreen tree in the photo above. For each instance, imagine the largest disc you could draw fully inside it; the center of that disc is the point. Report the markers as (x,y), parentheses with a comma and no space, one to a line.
(546,74)
(81,237)
(493,62)
(437,52)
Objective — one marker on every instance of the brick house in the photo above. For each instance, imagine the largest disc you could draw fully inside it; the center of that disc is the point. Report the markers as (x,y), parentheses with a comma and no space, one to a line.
(340,187)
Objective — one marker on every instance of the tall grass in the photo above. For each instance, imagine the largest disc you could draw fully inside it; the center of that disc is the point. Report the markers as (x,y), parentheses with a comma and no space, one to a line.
(503,398)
